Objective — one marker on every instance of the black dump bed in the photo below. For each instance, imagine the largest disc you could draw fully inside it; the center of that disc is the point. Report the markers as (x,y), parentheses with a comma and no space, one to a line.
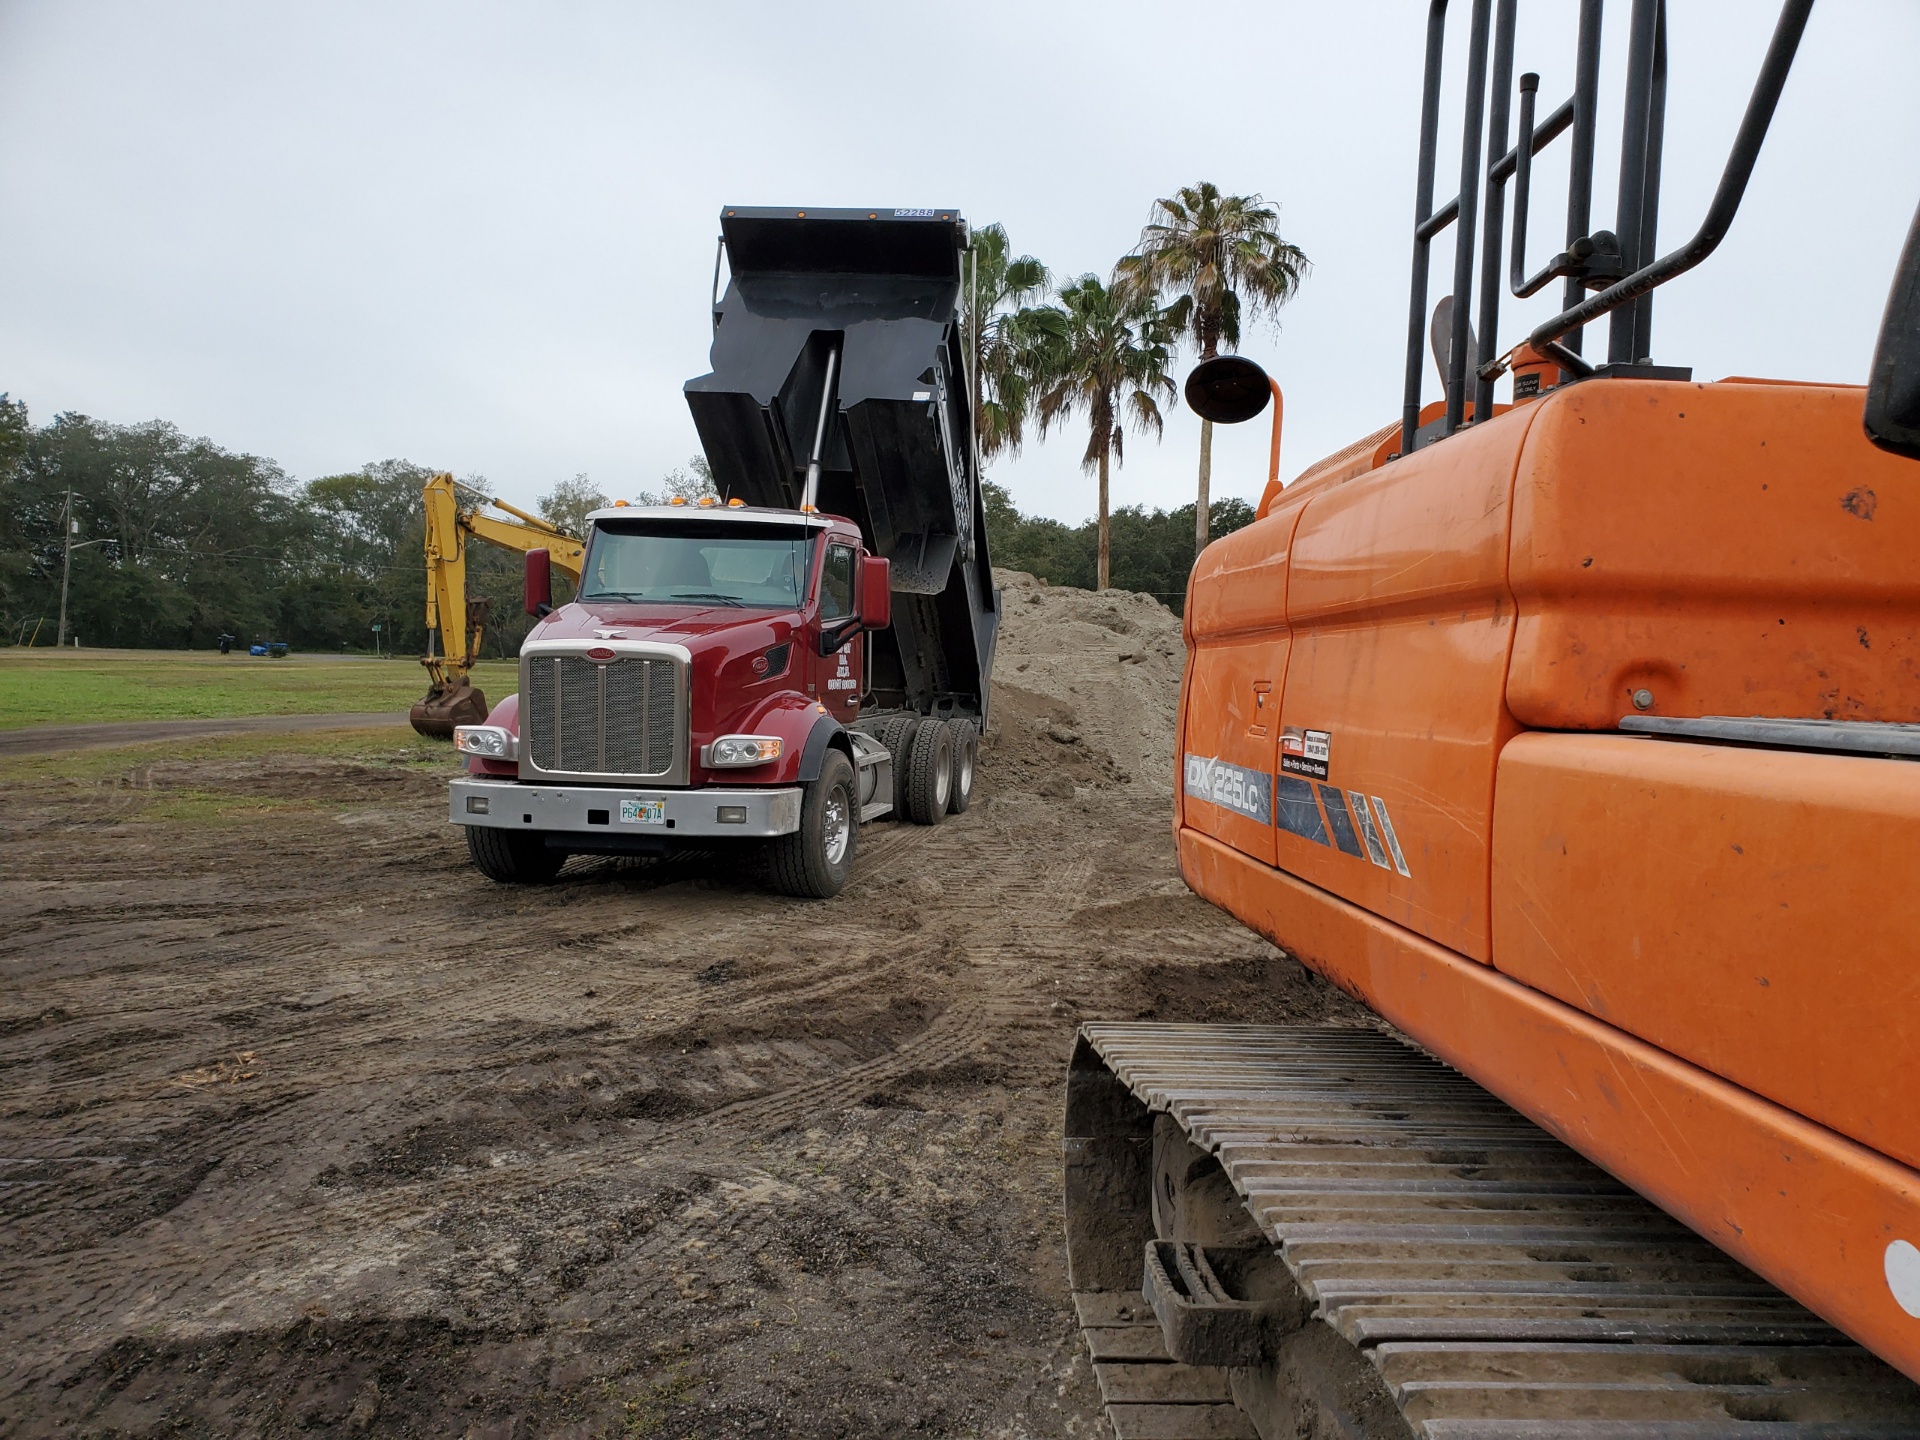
(881,290)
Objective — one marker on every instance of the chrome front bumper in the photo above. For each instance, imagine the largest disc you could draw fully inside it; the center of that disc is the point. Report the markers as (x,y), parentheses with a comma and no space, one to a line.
(598,809)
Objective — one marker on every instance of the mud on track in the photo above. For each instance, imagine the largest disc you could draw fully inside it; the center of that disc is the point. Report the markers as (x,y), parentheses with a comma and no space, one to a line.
(307,1129)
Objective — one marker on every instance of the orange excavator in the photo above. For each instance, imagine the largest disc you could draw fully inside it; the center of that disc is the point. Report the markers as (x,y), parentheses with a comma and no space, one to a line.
(1575,734)
(460,619)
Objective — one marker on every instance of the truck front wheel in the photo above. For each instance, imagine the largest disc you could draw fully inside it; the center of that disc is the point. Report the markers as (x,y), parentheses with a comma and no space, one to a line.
(513,857)
(815,860)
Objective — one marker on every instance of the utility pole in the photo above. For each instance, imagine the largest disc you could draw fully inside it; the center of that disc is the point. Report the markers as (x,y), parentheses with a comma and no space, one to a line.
(69,527)
(66,566)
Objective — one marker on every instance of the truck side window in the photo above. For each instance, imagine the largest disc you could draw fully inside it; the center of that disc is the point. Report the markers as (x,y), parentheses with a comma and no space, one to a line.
(836,583)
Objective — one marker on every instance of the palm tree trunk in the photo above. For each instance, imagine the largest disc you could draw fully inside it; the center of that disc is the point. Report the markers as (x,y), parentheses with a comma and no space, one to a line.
(1101,570)
(1206,479)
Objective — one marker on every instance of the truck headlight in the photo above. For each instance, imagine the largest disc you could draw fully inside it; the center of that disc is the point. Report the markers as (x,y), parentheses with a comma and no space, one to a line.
(743,750)
(492,741)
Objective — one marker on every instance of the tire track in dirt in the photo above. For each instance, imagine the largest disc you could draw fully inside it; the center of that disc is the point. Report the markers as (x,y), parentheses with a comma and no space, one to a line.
(652,1142)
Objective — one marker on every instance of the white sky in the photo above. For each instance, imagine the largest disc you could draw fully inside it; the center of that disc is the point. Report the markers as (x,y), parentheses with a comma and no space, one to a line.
(480,236)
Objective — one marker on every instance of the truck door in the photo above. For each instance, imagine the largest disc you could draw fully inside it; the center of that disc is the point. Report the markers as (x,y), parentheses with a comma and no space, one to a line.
(838,679)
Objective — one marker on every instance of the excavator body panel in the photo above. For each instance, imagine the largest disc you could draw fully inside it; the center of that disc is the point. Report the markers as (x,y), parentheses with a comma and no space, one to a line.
(1750,911)
(1507,819)
(1730,549)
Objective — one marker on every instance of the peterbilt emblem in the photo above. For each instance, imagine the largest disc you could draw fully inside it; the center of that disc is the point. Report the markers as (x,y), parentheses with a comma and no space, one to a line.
(600,652)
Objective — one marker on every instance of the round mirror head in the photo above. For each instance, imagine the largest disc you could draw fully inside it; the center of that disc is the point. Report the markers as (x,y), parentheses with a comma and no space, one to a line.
(1227,389)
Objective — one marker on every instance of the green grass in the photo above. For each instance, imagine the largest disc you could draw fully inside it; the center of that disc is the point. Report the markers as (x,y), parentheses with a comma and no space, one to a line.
(75,687)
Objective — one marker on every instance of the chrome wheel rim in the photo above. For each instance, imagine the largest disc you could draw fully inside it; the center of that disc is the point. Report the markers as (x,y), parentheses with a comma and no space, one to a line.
(966,770)
(942,786)
(838,824)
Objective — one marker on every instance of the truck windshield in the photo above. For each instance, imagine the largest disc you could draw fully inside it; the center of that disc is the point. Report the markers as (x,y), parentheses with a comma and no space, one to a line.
(691,563)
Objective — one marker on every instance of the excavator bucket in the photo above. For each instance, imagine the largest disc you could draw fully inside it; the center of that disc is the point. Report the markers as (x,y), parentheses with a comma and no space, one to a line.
(457,701)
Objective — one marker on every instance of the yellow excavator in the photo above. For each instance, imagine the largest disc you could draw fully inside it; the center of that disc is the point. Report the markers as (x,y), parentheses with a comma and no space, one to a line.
(452,698)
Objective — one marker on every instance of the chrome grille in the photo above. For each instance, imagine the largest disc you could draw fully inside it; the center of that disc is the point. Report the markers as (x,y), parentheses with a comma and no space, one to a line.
(585,718)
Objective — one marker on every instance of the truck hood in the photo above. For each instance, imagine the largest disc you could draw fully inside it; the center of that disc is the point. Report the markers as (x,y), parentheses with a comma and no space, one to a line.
(693,626)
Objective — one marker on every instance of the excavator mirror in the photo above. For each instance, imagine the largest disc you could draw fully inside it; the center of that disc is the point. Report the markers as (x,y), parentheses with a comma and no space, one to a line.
(1227,389)
(1893,387)
(539,582)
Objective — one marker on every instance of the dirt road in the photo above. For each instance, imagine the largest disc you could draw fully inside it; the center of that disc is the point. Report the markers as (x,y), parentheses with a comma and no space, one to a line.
(52,739)
(307,1129)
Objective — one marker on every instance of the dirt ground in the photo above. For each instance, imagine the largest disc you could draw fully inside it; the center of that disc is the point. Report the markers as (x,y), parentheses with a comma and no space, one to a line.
(308,1129)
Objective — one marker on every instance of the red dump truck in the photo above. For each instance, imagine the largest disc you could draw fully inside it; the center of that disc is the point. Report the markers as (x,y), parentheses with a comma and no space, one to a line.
(809,650)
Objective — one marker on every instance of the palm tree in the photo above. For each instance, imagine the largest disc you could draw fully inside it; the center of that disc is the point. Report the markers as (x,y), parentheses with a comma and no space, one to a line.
(1106,355)
(999,320)
(1219,258)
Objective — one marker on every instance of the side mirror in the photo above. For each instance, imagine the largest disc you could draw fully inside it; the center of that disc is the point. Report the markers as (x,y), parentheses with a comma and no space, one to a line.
(1231,388)
(876,593)
(1227,389)
(539,582)
(1893,386)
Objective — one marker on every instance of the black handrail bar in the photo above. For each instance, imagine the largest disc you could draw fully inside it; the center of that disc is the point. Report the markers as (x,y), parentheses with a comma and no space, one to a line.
(1551,129)
(1495,213)
(1422,212)
(1719,217)
(1470,164)
(1641,127)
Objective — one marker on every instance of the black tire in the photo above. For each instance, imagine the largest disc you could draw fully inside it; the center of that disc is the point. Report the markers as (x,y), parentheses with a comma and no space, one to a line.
(966,758)
(929,772)
(513,857)
(902,752)
(805,863)
(893,733)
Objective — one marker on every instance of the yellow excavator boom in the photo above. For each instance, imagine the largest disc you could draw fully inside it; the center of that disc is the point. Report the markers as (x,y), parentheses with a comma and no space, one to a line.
(452,698)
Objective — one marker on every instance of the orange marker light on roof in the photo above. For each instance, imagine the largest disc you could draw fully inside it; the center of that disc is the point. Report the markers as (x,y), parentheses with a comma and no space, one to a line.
(619,504)
(708,500)
(736,503)
(677,500)
(809,509)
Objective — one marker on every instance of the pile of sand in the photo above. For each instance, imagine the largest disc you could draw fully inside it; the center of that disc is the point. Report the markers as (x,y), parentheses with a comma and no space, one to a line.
(1085,683)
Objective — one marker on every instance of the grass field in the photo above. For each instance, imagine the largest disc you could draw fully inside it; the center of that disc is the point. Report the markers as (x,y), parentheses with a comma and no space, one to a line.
(74,687)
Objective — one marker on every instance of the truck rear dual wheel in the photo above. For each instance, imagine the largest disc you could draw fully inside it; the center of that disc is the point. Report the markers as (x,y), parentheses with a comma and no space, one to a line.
(893,733)
(929,772)
(513,857)
(966,754)
(815,860)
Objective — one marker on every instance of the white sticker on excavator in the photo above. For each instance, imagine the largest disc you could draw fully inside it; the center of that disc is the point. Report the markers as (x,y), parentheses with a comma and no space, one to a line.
(1367,833)
(1393,840)
(1232,787)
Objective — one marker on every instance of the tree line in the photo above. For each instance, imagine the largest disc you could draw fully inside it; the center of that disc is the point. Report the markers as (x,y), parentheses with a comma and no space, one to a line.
(177,541)
(181,541)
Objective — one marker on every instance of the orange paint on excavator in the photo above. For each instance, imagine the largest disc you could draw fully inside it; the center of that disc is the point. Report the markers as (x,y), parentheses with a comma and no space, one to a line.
(1690,959)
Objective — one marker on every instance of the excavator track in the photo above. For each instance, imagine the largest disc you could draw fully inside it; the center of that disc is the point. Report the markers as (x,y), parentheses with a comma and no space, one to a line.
(1437,1265)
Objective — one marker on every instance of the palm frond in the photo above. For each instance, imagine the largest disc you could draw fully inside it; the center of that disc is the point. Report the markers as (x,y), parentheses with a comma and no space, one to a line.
(1220,253)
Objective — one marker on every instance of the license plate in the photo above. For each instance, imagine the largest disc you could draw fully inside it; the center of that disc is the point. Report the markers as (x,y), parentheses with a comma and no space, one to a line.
(643,812)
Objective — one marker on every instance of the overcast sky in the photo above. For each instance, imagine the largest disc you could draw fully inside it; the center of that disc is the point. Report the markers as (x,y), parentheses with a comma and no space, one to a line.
(481,236)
